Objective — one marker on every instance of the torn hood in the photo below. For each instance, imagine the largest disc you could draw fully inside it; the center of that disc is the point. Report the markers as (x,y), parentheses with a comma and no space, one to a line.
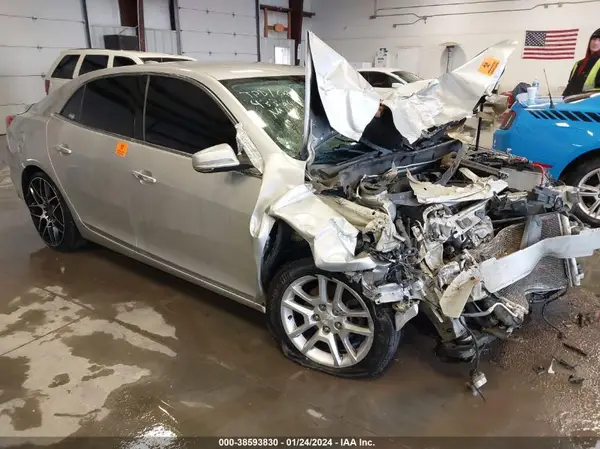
(340,100)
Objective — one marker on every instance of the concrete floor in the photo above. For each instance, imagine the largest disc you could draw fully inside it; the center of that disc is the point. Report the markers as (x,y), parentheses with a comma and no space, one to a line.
(93,343)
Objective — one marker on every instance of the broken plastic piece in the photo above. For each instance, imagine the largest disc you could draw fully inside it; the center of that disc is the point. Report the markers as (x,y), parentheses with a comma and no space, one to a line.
(481,189)
(476,381)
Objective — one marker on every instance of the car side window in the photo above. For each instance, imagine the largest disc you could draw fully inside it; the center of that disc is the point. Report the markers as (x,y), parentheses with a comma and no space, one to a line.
(366,75)
(380,79)
(72,108)
(93,62)
(121,61)
(66,67)
(115,104)
(182,116)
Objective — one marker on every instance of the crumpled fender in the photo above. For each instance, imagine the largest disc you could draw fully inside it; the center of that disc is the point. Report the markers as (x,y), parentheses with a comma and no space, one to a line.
(331,237)
(285,196)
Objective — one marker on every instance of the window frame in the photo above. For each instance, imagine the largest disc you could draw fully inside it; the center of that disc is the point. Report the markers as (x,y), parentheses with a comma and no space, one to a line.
(75,68)
(143,141)
(111,62)
(83,87)
(58,113)
(86,55)
(196,83)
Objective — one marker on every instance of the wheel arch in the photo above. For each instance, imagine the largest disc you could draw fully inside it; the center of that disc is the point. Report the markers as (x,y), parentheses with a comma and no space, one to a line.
(33,168)
(283,246)
(589,155)
(28,172)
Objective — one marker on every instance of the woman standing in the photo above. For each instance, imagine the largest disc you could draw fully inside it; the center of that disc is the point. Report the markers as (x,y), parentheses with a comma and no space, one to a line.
(585,76)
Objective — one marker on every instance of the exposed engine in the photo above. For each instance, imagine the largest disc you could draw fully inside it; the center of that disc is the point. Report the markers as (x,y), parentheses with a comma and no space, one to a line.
(437,221)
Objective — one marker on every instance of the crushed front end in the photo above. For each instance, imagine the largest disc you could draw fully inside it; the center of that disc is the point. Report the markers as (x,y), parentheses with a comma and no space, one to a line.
(422,222)
(461,244)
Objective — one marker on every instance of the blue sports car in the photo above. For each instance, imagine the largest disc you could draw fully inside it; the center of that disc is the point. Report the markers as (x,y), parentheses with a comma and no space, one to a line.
(564,137)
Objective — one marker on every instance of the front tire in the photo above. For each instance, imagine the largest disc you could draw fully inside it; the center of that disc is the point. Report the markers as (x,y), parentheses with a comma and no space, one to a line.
(586,176)
(50,214)
(321,320)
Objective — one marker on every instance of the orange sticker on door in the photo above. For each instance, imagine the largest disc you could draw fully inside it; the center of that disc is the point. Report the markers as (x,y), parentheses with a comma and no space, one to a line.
(121,149)
(489,66)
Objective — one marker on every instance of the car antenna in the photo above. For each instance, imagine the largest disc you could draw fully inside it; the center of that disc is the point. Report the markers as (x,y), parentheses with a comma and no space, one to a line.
(549,93)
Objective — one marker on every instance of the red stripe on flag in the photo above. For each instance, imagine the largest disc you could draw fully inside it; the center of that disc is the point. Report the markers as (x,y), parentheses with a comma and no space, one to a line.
(547,57)
(542,55)
(551,53)
(570,44)
(575,30)
(554,39)
(549,50)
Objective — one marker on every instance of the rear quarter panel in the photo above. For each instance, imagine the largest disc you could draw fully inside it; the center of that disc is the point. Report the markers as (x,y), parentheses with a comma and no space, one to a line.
(26,137)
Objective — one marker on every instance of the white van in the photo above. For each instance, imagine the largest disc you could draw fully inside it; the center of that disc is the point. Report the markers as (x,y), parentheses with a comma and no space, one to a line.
(72,63)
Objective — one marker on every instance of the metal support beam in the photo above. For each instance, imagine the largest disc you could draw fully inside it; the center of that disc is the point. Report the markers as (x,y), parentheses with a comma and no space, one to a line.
(258,52)
(86,19)
(141,27)
(296,16)
(177,25)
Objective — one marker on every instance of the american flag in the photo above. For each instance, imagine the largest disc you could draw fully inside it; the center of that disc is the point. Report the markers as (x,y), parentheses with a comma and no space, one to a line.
(551,44)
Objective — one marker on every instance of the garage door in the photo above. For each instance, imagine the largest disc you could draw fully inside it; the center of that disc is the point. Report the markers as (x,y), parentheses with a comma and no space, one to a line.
(223,31)
(32,34)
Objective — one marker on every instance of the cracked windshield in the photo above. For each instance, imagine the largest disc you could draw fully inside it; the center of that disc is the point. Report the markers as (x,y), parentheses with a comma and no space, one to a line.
(277,106)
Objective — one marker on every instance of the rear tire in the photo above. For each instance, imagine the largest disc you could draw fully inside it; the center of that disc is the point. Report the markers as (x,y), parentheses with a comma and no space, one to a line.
(51,215)
(321,320)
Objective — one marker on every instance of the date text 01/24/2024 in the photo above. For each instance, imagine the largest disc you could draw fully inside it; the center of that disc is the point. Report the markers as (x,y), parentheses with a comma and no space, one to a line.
(298,442)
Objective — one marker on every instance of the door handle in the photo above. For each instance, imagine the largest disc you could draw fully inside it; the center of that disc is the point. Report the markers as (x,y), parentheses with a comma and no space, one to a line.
(63,149)
(144,176)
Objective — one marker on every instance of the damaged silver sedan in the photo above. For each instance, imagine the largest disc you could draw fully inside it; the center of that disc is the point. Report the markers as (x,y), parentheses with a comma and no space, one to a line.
(305,195)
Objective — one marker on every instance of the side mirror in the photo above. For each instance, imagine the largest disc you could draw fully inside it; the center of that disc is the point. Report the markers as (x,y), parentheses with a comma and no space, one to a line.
(396,85)
(215,159)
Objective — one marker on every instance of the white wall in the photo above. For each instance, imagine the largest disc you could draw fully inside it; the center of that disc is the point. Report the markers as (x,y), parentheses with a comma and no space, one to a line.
(223,30)
(104,12)
(346,26)
(157,15)
(28,46)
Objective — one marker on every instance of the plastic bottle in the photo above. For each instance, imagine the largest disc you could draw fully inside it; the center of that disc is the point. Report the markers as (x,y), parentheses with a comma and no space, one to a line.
(532,92)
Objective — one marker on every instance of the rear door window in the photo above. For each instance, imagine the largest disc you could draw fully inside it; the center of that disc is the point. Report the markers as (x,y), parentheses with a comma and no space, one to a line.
(121,61)
(93,62)
(182,116)
(66,67)
(72,109)
(115,104)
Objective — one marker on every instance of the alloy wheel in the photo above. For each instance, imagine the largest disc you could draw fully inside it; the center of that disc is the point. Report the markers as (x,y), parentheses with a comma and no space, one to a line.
(327,321)
(46,211)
